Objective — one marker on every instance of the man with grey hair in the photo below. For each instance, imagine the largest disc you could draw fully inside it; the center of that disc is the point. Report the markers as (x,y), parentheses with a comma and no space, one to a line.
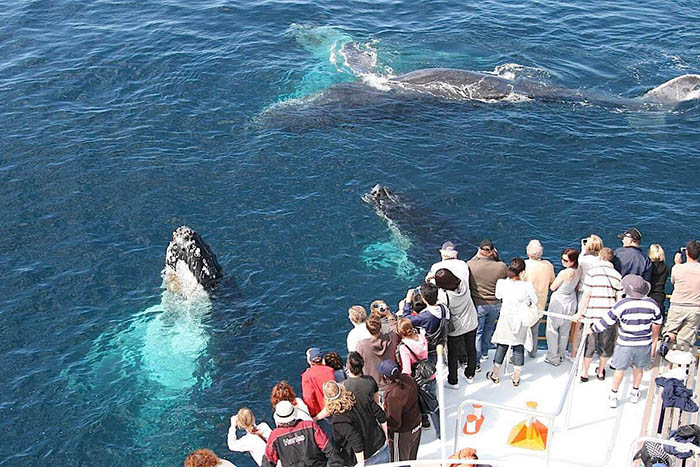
(540,273)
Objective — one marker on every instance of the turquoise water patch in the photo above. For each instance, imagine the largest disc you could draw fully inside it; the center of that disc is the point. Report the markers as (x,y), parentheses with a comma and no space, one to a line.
(388,255)
(326,64)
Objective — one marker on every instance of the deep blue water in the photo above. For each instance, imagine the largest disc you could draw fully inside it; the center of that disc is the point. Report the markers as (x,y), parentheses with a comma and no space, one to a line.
(123,120)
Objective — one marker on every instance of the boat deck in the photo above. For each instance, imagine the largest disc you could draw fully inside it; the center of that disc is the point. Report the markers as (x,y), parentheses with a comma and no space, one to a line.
(594,436)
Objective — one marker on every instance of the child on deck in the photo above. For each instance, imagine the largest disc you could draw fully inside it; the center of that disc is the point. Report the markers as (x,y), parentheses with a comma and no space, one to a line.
(640,322)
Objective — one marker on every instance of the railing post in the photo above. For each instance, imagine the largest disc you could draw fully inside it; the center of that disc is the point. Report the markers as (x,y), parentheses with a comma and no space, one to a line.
(441,400)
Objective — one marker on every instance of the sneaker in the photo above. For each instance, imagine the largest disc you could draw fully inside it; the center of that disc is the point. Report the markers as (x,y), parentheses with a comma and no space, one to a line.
(612,399)
(478,369)
(451,386)
(470,380)
(552,362)
(484,358)
(635,395)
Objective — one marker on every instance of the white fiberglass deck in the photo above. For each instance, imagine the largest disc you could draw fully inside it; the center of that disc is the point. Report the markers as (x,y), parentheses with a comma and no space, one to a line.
(592,428)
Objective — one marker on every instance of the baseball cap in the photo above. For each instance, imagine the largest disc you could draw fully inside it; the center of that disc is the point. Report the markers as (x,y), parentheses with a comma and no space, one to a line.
(635,286)
(632,233)
(448,246)
(388,368)
(486,244)
(314,354)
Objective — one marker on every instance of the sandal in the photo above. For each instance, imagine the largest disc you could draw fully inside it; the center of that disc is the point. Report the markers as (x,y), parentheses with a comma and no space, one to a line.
(584,379)
(516,382)
(598,375)
(494,379)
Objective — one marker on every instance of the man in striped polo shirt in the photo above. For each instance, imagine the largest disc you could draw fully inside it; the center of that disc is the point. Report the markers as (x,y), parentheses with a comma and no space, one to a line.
(640,322)
(601,290)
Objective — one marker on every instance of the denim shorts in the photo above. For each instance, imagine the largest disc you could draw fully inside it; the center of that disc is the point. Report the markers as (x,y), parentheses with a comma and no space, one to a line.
(626,355)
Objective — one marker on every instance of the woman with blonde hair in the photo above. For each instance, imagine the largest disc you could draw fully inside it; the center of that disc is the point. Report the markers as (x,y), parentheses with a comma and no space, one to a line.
(659,274)
(283,392)
(255,439)
(206,458)
(359,426)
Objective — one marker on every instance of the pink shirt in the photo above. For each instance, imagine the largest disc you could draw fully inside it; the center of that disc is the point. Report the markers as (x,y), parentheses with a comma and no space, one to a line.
(419,347)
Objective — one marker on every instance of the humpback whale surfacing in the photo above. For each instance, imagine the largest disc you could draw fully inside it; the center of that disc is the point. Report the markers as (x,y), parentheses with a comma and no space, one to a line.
(364,85)
(454,84)
(189,263)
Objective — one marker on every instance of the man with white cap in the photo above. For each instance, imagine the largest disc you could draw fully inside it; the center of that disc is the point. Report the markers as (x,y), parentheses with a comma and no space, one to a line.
(298,443)
(449,260)
(639,319)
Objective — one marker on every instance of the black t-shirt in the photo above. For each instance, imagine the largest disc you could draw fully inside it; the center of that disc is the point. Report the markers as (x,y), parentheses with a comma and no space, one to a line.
(363,387)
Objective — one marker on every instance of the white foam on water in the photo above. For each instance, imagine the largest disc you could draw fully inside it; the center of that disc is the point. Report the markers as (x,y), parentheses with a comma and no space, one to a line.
(466,92)
(513,71)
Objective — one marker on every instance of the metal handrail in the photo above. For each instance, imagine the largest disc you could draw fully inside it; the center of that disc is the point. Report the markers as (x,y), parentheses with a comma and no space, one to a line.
(549,416)
(636,444)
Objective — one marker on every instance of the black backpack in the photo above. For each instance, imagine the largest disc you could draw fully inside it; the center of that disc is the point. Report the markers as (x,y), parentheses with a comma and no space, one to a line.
(439,337)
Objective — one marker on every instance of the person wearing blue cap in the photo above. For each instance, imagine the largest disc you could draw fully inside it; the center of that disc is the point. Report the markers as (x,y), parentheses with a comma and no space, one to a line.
(402,411)
(311,383)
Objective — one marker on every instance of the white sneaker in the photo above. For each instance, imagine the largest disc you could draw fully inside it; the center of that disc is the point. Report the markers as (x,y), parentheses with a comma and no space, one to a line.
(470,380)
(635,395)
(484,358)
(451,386)
(612,399)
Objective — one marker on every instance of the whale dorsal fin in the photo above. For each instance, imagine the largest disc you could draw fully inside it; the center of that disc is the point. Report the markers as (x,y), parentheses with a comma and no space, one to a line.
(679,89)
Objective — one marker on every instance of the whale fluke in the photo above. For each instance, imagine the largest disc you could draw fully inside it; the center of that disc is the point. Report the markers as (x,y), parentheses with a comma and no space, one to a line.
(680,89)
(188,247)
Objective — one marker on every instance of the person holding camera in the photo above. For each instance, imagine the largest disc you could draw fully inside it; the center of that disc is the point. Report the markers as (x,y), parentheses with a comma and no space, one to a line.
(684,312)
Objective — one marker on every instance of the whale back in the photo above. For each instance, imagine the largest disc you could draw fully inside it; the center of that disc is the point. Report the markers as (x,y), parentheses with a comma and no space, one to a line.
(680,89)
(189,247)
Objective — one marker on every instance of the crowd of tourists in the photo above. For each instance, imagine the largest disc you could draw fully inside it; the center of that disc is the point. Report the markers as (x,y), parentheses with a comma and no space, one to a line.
(372,408)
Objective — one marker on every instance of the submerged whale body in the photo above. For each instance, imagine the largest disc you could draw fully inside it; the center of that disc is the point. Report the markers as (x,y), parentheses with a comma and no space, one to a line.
(416,232)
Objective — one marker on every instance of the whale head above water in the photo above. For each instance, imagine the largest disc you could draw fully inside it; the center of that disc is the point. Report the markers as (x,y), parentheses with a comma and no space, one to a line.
(188,260)
(381,197)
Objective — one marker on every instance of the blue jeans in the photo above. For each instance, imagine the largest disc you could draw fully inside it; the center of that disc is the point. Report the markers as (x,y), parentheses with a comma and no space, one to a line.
(487,315)
(518,354)
(383,456)
(435,416)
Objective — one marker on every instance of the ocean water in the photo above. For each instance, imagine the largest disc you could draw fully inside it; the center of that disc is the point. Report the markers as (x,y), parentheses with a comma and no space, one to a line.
(123,120)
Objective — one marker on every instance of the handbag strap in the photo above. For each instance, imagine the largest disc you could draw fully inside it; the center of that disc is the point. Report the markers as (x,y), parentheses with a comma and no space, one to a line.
(412,352)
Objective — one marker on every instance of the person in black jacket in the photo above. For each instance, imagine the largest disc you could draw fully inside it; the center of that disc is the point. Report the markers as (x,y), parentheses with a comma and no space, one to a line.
(298,443)
(359,426)
(659,274)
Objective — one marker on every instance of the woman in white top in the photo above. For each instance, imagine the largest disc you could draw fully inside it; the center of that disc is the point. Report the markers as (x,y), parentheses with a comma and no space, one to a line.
(255,439)
(516,295)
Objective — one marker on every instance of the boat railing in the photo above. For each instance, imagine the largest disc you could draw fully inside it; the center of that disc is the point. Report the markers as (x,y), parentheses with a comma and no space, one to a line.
(445,462)
(637,443)
(564,402)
